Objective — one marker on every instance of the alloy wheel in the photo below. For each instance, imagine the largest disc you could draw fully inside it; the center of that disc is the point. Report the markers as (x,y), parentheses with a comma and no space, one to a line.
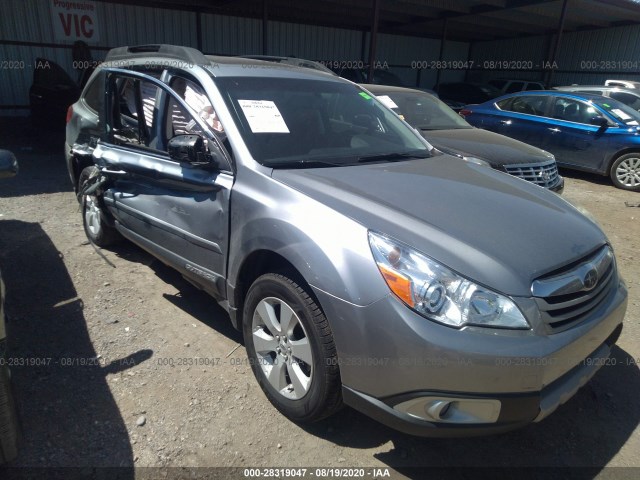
(92,215)
(628,172)
(282,348)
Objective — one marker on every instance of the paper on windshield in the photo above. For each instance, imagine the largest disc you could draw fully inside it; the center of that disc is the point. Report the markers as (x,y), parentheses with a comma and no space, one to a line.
(263,116)
(386,101)
(621,114)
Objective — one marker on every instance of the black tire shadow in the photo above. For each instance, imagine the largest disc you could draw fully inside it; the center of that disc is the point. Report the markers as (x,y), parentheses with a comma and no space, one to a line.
(586,176)
(576,441)
(68,414)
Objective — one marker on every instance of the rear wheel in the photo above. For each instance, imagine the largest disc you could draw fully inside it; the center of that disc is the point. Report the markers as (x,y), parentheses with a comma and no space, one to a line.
(625,172)
(291,349)
(93,218)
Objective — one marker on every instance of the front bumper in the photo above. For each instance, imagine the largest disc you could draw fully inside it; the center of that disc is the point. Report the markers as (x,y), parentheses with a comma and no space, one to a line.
(389,355)
(516,410)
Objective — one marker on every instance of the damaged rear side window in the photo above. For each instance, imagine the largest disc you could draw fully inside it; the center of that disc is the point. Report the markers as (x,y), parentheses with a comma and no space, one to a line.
(94,93)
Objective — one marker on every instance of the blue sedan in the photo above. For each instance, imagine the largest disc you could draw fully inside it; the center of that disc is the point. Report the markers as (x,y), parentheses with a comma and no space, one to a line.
(583,131)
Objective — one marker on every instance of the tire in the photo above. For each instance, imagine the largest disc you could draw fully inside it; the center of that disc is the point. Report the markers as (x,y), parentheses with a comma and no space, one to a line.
(297,371)
(96,228)
(8,419)
(625,172)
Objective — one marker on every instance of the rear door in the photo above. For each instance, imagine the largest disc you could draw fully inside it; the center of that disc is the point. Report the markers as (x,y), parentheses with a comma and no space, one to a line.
(177,210)
(524,118)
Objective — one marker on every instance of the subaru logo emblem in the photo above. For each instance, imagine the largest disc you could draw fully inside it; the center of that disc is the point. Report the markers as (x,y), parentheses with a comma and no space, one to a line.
(590,279)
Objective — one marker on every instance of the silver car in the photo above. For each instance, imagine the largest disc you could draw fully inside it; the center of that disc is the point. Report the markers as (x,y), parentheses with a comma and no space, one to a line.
(432,293)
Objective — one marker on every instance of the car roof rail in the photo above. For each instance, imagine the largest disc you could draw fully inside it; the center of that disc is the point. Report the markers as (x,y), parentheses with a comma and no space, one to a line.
(187,54)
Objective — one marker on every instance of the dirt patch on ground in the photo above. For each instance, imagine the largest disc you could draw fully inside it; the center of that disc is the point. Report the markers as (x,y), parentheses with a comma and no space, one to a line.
(126,364)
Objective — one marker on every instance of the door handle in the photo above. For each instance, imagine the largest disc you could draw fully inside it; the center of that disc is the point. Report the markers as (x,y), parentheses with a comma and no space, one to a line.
(117,173)
(505,122)
(554,130)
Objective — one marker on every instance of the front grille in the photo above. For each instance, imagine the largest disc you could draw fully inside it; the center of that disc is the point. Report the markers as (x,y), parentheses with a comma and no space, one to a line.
(544,174)
(567,297)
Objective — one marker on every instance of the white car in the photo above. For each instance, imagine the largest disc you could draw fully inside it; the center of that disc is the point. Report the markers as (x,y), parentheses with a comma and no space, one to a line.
(622,83)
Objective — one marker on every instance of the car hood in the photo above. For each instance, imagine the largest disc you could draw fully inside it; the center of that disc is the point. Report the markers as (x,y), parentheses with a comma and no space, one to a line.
(495,229)
(496,149)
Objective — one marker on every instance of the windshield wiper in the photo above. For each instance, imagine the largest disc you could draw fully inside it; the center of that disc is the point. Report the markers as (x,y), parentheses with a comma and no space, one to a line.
(392,157)
(303,164)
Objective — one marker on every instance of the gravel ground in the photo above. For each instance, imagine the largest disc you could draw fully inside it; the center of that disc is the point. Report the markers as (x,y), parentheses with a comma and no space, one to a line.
(120,362)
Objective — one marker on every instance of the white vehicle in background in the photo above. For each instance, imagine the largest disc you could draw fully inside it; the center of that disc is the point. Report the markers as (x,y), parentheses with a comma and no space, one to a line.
(628,96)
(622,83)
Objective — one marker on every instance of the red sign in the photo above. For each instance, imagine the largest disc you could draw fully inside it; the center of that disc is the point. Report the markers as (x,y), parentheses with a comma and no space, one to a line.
(75,20)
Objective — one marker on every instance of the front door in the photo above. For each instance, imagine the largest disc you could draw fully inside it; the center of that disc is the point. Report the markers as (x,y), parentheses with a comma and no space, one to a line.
(578,143)
(177,210)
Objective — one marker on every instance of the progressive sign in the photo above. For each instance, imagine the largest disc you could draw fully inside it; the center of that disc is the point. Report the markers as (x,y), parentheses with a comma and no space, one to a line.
(75,20)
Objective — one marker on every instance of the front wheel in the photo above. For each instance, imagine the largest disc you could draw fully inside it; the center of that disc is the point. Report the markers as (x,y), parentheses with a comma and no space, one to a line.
(291,349)
(95,226)
(625,172)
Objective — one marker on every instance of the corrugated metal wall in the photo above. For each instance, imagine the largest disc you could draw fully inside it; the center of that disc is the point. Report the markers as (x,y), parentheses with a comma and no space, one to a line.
(313,42)
(231,35)
(585,51)
(30,21)
(587,57)
(419,52)
(27,20)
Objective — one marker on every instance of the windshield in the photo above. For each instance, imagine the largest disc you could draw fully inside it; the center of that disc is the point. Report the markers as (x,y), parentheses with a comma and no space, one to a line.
(621,112)
(294,123)
(423,111)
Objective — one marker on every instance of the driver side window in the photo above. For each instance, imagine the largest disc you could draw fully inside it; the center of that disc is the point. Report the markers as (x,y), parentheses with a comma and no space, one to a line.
(573,110)
(132,115)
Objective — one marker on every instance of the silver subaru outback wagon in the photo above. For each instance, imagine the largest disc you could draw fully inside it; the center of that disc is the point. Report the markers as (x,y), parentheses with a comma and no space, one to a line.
(363,267)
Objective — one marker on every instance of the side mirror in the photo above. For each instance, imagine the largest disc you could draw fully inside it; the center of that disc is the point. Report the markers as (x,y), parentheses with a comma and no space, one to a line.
(599,121)
(195,150)
(8,164)
(187,149)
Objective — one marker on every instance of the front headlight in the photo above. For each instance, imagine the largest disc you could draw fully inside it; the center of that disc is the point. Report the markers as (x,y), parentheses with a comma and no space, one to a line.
(438,293)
